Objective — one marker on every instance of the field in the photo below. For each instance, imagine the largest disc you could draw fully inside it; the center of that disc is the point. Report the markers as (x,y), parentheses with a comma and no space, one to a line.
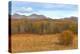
(35,42)
(43,34)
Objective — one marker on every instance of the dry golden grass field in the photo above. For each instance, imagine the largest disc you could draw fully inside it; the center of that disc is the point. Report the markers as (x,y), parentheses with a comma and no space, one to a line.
(35,42)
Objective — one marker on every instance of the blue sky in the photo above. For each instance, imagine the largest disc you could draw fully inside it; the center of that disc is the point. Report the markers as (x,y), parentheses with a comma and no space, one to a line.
(52,10)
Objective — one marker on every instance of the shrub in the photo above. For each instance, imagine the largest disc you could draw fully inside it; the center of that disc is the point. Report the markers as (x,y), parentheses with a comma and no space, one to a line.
(74,28)
(66,38)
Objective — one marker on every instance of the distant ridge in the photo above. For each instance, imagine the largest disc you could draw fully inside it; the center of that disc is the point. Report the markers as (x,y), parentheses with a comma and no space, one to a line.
(32,16)
(41,17)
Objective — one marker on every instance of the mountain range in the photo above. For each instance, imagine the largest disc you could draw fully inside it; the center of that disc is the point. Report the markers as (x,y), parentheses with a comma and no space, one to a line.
(32,16)
(41,17)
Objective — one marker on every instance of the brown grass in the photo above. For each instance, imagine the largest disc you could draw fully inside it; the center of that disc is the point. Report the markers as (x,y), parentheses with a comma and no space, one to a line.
(35,42)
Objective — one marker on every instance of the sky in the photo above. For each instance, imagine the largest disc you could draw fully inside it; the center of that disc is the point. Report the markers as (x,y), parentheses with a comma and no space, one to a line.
(52,10)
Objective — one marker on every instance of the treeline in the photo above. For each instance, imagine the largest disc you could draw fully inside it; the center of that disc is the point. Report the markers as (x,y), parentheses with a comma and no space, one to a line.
(43,26)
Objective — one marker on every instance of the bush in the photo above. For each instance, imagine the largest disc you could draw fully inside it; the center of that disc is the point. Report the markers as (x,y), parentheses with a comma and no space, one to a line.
(66,38)
(74,28)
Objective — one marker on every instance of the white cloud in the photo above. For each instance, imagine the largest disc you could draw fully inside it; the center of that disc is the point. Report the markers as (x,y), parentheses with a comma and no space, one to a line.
(28,9)
(25,10)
